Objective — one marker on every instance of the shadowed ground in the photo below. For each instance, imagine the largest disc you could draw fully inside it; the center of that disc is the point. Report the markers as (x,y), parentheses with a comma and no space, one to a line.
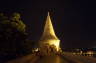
(65,58)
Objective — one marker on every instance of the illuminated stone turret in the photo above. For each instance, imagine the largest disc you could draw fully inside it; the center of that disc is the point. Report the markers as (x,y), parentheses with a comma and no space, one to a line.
(49,38)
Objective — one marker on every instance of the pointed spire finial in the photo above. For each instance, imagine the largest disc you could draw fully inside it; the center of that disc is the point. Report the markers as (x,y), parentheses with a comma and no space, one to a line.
(48,13)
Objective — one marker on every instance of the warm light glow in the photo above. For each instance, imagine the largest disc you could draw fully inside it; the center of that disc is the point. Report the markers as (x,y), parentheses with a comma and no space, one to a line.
(49,37)
(89,52)
(36,49)
(48,30)
(56,43)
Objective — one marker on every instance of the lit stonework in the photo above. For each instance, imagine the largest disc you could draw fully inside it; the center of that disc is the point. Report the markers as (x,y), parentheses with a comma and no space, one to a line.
(49,39)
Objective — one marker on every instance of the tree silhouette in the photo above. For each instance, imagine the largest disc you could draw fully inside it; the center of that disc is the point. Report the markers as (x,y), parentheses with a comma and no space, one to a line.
(13,36)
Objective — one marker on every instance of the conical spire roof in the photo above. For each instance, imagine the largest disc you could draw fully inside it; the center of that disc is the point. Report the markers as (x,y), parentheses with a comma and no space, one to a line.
(48,30)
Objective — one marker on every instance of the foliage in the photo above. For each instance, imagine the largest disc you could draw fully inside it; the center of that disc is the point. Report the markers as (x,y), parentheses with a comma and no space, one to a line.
(13,36)
(17,22)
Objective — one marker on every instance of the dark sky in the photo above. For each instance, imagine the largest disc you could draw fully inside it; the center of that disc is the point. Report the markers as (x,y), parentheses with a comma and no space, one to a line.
(74,20)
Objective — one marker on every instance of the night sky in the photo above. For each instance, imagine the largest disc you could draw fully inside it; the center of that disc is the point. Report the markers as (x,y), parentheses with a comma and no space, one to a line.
(74,21)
